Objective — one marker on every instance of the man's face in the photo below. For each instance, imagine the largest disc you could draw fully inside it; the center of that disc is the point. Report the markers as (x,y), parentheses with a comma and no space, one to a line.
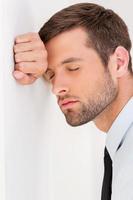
(84,88)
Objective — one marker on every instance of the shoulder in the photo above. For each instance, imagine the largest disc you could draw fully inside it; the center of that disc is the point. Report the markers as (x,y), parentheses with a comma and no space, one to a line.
(124,154)
(123,168)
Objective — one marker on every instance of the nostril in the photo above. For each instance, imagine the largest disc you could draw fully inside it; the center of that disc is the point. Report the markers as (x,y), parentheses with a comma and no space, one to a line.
(63,91)
(59,91)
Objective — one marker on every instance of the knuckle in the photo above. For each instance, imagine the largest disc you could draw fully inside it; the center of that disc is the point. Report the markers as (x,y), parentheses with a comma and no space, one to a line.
(17,57)
(40,55)
(46,53)
(15,48)
(16,67)
(29,34)
(34,35)
(17,39)
(40,70)
(19,66)
(43,54)
(41,45)
(43,68)
(38,44)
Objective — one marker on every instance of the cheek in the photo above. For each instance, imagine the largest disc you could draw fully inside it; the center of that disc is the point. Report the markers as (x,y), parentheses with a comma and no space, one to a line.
(81,86)
(89,85)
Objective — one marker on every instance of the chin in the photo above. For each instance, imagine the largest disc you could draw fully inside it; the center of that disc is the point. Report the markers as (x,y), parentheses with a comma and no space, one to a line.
(76,123)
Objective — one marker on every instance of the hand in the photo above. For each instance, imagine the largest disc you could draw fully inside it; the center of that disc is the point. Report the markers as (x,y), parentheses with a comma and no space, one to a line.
(30,58)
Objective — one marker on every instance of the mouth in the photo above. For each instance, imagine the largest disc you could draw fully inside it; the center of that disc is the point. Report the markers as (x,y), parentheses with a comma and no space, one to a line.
(67,104)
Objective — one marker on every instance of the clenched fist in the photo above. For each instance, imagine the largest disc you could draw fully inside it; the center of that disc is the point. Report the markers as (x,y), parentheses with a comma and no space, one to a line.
(30,58)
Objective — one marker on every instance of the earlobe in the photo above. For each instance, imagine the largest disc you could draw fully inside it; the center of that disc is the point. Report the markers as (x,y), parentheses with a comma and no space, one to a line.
(122,58)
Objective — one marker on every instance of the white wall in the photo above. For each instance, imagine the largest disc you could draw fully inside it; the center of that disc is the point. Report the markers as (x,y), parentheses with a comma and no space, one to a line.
(41,156)
(2,154)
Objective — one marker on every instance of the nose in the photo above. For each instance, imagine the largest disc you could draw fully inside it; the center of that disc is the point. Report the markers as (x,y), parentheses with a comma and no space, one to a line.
(59,87)
(59,90)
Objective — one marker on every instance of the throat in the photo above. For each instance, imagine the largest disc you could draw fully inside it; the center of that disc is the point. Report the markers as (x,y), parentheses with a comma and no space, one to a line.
(104,120)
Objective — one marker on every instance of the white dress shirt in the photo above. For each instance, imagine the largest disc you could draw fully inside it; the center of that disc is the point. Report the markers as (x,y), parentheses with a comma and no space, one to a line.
(119,143)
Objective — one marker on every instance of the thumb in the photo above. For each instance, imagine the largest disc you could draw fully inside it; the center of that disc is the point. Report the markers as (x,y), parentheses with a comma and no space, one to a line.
(18,75)
(24,79)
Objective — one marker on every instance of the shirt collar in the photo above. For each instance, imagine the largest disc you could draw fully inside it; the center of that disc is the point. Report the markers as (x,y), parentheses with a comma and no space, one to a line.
(119,127)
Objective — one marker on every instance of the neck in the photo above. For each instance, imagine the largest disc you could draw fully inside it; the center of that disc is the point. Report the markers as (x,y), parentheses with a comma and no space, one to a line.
(105,119)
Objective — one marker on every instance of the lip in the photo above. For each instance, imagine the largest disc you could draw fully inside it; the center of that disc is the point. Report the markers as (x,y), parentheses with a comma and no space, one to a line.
(67,103)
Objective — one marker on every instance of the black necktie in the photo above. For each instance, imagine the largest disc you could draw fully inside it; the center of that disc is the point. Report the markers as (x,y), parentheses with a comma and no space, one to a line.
(107,180)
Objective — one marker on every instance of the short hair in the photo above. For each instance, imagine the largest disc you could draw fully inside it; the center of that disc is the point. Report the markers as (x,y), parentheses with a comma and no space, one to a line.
(106,30)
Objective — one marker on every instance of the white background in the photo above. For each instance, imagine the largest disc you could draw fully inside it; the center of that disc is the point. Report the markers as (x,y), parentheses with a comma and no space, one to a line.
(41,157)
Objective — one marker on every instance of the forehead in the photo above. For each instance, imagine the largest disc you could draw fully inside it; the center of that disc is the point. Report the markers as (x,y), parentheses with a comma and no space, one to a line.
(73,33)
(72,43)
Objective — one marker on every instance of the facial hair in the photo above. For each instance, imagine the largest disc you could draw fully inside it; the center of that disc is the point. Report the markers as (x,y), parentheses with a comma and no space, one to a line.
(106,93)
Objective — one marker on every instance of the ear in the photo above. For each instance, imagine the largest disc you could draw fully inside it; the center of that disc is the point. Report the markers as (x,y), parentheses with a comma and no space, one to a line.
(122,61)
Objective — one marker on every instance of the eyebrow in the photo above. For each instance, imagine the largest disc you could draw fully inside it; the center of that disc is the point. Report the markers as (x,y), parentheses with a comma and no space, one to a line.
(66,61)
(69,60)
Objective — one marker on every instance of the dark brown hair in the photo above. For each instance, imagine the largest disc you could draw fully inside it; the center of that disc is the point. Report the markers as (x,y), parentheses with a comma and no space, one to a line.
(105,29)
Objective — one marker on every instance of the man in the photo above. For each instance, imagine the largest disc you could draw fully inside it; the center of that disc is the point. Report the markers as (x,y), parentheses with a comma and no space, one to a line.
(86,59)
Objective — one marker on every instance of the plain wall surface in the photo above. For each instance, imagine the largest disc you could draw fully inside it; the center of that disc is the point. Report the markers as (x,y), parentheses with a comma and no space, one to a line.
(41,156)
(2,154)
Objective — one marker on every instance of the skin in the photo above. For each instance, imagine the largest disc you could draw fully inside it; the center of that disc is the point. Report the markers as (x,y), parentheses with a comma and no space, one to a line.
(85,89)
(30,58)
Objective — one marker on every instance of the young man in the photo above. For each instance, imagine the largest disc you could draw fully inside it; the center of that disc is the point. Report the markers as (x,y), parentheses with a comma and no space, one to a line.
(87,60)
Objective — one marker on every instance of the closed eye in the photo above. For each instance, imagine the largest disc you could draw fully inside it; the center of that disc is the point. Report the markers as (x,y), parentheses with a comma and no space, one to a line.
(49,75)
(73,69)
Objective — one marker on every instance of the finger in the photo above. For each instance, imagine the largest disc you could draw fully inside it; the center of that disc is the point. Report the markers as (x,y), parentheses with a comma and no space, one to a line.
(36,69)
(29,56)
(27,37)
(28,46)
(18,75)
(23,79)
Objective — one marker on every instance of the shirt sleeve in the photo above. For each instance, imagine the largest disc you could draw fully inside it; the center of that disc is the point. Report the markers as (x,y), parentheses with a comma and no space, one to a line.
(122,180)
